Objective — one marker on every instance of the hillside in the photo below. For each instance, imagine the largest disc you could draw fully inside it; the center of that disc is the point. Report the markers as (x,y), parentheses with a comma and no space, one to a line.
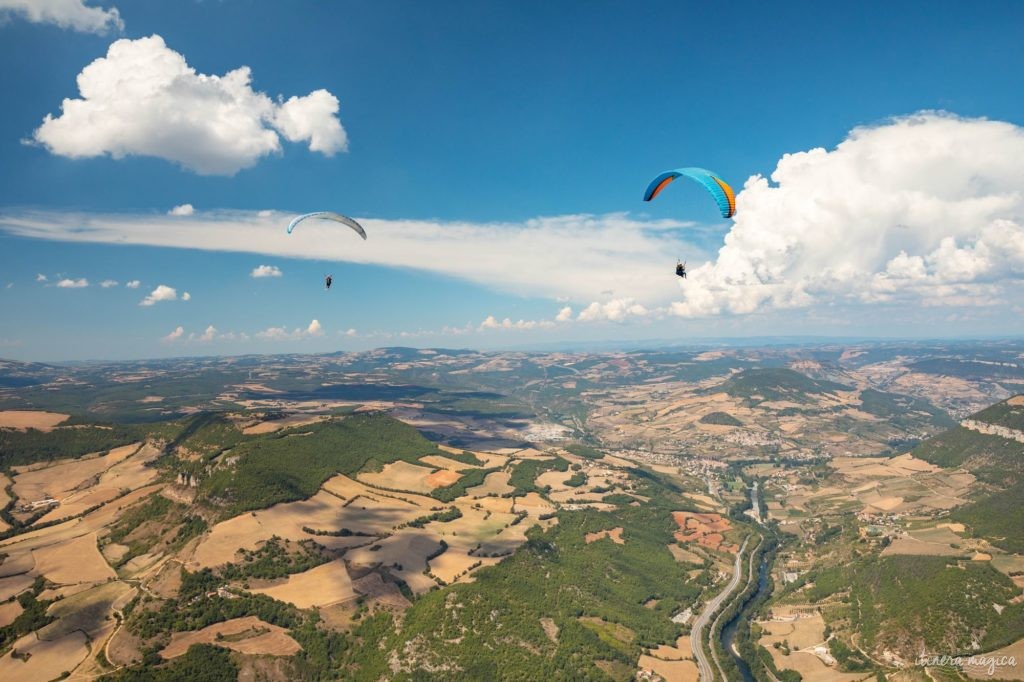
(292,465)
(778,383)
(922,603)
(995,458)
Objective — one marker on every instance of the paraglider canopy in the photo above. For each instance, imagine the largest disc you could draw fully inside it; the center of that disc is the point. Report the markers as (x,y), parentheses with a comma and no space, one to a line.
(329,215)
(719,190)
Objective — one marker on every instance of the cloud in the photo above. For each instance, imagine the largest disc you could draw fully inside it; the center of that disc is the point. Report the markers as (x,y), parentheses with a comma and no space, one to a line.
(144,99)
(314,118)
(574,257)
(73,283)
(314,329)
(107,283)
(161,293)
(617,310)
(182,210)
(209,334)
(186,296)
(351,332)
(72,14)
(266,271)
(922,209)
(134,284)
(491,323)
(41,277)
(174,335)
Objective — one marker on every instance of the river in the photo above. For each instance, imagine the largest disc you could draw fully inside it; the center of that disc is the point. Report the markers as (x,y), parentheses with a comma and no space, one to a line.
(729,631)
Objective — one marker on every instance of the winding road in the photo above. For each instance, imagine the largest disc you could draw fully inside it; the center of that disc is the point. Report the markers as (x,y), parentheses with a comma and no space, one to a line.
(697,633)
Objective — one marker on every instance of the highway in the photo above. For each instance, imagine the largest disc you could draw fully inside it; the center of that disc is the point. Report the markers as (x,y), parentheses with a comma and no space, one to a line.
(697,635)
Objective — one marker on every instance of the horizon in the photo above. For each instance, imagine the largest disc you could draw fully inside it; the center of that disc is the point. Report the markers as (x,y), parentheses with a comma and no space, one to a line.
(596,347)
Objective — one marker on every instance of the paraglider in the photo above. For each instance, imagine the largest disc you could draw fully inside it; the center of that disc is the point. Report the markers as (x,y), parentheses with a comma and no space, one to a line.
(329,215)
(718,188)
(336,217)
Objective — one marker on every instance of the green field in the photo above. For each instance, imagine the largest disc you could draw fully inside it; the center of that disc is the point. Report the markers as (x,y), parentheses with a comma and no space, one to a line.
(289,466)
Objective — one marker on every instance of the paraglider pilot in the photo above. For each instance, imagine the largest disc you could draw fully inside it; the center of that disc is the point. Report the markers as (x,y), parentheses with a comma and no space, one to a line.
(681,269)
(328,279)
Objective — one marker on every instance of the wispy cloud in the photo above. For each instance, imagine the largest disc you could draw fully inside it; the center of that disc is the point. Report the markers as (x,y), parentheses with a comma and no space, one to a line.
(72,14)
(574,257)
(133,284)
(73,283)
(108,283)
(41,277)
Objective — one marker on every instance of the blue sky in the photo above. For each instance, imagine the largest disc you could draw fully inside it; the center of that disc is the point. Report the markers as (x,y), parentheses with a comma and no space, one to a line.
(465,121)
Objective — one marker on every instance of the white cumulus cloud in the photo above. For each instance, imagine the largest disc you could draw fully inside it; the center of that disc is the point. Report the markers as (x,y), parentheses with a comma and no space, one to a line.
(73,283)
(107,283)
(922,209)
(314,118)
(133,284)
(41,277)
(492,323)
(72,14)
(564,315)
(266,271)
(182,210)
(174,335)
(161,293)
(314,329)
(144,99)
(186,296)
(616,310)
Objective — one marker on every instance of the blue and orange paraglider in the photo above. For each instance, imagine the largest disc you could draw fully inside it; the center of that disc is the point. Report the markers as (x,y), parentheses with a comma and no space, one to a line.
(718,188)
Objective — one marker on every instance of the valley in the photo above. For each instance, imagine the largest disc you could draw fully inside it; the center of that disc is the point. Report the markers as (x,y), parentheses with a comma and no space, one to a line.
(403,513)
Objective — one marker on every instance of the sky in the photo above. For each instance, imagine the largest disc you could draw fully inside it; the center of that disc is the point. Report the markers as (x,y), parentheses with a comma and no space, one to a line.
(152,154)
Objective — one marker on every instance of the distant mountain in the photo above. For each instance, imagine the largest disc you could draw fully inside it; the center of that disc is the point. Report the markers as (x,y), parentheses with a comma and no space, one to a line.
(970,369)
(14,374)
